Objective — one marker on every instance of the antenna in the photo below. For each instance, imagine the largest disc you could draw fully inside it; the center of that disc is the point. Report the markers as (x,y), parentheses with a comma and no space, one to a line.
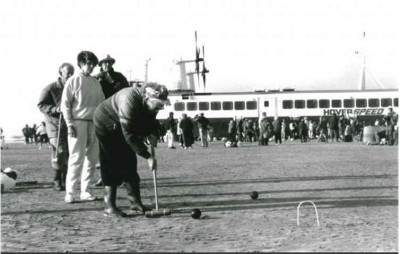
(362,85)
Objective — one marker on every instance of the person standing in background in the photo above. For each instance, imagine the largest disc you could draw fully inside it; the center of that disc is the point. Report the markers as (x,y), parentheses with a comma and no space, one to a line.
(171,130)
(111,82)
(81,95)
(49,105)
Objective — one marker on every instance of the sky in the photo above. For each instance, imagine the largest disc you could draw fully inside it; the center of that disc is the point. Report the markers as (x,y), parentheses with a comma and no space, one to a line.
(249,44)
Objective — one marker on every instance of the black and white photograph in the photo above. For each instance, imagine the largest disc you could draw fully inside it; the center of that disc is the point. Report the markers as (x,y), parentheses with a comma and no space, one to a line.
(199,126)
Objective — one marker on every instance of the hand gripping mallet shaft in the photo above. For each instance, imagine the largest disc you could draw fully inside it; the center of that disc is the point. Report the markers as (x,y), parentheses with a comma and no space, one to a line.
(55,159)
(156,213)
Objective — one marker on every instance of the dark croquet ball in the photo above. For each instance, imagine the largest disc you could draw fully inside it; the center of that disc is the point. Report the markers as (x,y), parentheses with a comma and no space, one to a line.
(254,195)
(196,213)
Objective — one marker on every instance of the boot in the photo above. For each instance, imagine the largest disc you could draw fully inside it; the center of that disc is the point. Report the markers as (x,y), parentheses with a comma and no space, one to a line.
(110,196)
(63,178)
(57,180)
(133,191)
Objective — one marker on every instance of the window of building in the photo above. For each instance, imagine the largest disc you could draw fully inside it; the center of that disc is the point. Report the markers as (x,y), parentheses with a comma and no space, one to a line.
(348,103)
(266,103)
(312,104)
(299,104)
(239,105)
(204,105)
(251,105)
(215,105)
(287,104)
(361,103)
(323,103)
(179,106)
(336,103)
(386,102)
(396,102)
(373,103)
(191,106)
(227,105)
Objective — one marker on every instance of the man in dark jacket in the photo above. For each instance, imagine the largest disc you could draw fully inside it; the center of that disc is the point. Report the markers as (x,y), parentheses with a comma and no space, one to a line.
(26,131)
(122,124)
(49,105)
(203,124)
(110,80)
(186,125)
(334,127)
(277,127)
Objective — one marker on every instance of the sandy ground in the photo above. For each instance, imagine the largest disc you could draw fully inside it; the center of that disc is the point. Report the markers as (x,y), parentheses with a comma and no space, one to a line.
(355,188)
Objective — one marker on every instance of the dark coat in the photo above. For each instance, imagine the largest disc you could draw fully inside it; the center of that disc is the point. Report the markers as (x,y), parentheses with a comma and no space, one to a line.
(334,122)
(110,89)
(49,100)
(126,113)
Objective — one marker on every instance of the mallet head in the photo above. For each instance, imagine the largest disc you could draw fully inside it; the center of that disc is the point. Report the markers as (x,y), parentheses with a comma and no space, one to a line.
(158,213)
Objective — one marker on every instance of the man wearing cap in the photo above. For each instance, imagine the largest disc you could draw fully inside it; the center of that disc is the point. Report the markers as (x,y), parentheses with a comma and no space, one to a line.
(390,121)
(81,95)
(110,80)
(49,105)
(122,122)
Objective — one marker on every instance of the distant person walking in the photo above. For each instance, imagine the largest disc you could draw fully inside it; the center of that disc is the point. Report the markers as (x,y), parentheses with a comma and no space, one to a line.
(186,125)
(32,134)
(171,130)
(232,131)
(390,119)
(263,123)
(203,124)
(42,135)
(277,127)
(49,105)
(26,131)
(81,95)
(322,128)
(334,127)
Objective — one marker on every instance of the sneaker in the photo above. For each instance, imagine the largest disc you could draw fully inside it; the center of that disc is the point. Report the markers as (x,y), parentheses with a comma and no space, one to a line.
(69,198)
(172,147)
(86,196)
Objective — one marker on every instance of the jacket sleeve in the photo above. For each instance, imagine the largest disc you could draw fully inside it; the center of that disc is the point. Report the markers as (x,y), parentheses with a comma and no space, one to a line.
(66,103)
(128,111)
(46,103)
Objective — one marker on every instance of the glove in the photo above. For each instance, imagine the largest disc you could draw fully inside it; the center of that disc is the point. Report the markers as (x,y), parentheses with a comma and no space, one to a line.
(152,162)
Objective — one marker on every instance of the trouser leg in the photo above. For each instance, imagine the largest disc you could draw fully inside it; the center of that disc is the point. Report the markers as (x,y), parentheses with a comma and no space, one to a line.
(77,151)
(91,158)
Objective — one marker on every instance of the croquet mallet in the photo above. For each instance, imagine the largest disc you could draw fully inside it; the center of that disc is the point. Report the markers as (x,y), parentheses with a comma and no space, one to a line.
(162,212)
(55,158)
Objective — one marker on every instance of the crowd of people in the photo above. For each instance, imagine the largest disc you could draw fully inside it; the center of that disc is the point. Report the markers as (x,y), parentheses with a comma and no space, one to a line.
(37,134)
(334,128)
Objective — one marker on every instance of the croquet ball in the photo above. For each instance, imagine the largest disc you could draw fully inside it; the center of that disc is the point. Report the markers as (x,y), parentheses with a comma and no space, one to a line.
(254,195)
(196,213)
